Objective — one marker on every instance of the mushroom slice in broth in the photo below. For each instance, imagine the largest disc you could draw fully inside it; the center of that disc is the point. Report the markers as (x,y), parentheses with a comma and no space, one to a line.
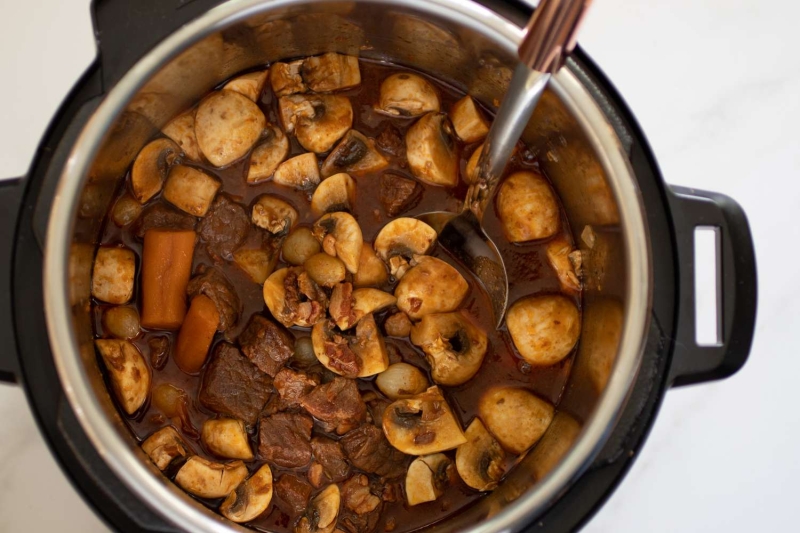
(268,155)
(151,167)
(432,150)
(164,447)
(453,344)
(355,154)
(209,479)
(427,478)
(481,460)
(340,236)
(358,355)
(322,512)
(335,193)
(422,424)
(130,377)
(250,499)
(318,121)
(407,95)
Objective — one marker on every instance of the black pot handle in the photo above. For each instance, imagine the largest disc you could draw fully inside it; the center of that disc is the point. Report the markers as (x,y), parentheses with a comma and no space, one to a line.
(10,200)
(736,285)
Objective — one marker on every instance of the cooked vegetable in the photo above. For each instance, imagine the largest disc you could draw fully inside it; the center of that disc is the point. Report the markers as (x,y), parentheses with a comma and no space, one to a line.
(407,95)
(554,444)
(468,122)
(471,170)
(340,236)
(300,172)
(454,346)
(250,499)
(402,380)
(226,437)
(427,478)
(331,72)
(371,270)
(559,255)
(422,424)
(166,267)
(431,150)
(322,512)
(481,460)
(190,190)
(348,306)
(249,85)
(398,325)
(286,78)
(515,417)
(181,130)
(355,154)
(430,286)
(299,246)
(113,275)
(527,207)
(400,240)
(151,167)
(121,322)
(353,356)
(164,447)
(325,270)
(196,333)
(273,214)
(317,121)
(544,328)
(336,193)
(258,264)
(266,157)
(126,210)
(227,125)
(209,479)
(130,377)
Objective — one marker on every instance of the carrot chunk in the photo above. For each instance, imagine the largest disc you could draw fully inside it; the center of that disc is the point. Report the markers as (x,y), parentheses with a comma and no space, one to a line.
(196,334)
(166,267)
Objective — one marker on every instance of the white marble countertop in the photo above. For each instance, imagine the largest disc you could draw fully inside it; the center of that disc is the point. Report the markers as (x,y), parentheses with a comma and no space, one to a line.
(715,85)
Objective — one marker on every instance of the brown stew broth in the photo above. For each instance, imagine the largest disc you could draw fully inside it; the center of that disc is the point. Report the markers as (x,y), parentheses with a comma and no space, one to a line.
(528,271)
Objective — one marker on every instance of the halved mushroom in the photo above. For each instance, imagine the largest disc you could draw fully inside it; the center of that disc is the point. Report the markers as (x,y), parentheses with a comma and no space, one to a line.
(481,461)
(165,446)
(300,172)
(257,263)
(190,190)
(130,377)
(318,121)
(353,356)
(454,346)
(286,78)
(355,154)
(559,255)
(471,170)
(336,193)
(299,246)
(181,130)
(544,328)
(273,214)
(402,380)
(325,270)
(340,236)
(331,72)
(400,240)
(527,207)
(250,84)
(432,151)
(209,479)
(322,512)
(468,122)
(407,95)
(427,478)
(268,155)
(227,125)
(422,424)
(515,417)
(371,270)
(226,437)
(293,298)
(151,168)
(113,274)
(250,499)
(430,286)
(348,306)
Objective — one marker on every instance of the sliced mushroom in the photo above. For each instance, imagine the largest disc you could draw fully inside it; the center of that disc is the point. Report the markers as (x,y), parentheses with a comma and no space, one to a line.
(340,236)
(286,78)
(113,274)
(453,344)
(151,168)
(300,172)
(544,328)
(293,298)
(190,190)
(336,193)
(517,418)
(527,207)
(430,286)
(257,263)
(427,478)
(268,155)
(322,512)
(209,479)
(481,460)
(431,150)
(402,380)
(471,170)
(227,126)
(407,95)
(130,377)
(400,240)
(331,72)
(181,130)
(318,121)
(355,154)
(273,214)
(325,270)
(559,255)
(468,122)
(121,322)
(250,499)
(165,446)
(226,437)
(422,424)
(353,356)
(348,306)
(249,85)
(371,270)
(299,246)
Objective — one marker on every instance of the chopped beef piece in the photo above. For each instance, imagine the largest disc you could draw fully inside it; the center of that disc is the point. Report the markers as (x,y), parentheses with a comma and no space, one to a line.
(162,215)
(376,405)
(292,386)
(368,450)
(393,352)
(224,227)
(341,305)
(285,439)
(338,405)
(398,193)
(357,497)
(267,344)
(390,141)
(233,386)
(215,285)
(328,455)
(294,492)
(159,351)
(304,300)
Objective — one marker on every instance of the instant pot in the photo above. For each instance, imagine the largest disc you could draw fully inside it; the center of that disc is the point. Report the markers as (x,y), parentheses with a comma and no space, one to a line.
(636,235)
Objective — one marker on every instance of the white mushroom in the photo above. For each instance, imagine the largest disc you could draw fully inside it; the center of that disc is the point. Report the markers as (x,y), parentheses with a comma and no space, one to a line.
(471,170)
(544,328)
(554,444)
(454,346)
(130,377)
(299,246)
(481,460)
(336,193)
(227,125)
(209,479)
(165,446)
(348,306)
(559,255)
(340,236)
(355,154)
(257,263)
(318,121)
(250,499)
(300,172)
(325,270)
(331,72)
(400,240)
(286,78)
(249,85)
(527,207)
(151,167)
(353,356)
(322,512)
(515,417)
(422,424)
(226,437)
(121,322)
(268,155)
(431,150)
(407,95)
(181,130)
(468,122)
(113,274)
(273,214)
(427,478)
(430,286)
(401,380)
(190,190)
(371,270)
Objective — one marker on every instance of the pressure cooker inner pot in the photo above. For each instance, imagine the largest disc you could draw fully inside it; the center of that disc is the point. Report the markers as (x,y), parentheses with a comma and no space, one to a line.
(467,47)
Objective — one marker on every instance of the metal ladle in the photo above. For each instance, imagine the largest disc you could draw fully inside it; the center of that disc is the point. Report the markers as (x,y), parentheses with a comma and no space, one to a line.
(550,37)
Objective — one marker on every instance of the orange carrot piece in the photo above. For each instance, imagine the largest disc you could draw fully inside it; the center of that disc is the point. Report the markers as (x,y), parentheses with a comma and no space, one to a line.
(196,334)
(166,267)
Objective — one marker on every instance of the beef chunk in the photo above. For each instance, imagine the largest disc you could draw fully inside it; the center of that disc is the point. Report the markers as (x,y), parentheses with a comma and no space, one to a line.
(368,450)
(362,508)
(159,351)
(294,492)
(233,386)
(304,299)
(285,439)
(162,215)
(398,193)
(338,405)
(267,344)
(215,285)
(390,141)
(329,461)
(293,386)
(376,405)
(224,227)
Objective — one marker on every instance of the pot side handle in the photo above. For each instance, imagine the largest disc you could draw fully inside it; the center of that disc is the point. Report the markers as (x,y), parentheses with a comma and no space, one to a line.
(736,286)
(10,198)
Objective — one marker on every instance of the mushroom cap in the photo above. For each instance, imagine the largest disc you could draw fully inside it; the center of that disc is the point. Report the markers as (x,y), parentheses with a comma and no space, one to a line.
(273,214)
(355,154)
(340,236)
(361,303)
(544,328)
(318,121)
(422,424)
(527,207)
(407,95)
(300,172)
(151,168)
(516,417)
(431,286)
(165,446)
(249,85)
(467,120)
(354,356)
(268,155)
(322,512)
(371,270)
(250,499)
(481,460)
(432,150)
(130,376)
(181,130)
(227,125)
(209,479)
(453,344)
(226,437)
(427,478)
(406,237)
(336,193)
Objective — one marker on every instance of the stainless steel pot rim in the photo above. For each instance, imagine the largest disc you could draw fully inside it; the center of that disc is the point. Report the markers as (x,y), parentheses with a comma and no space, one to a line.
(118,454)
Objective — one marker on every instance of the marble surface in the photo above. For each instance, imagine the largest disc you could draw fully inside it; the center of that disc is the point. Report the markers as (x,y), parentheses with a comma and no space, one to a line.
(714,84)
